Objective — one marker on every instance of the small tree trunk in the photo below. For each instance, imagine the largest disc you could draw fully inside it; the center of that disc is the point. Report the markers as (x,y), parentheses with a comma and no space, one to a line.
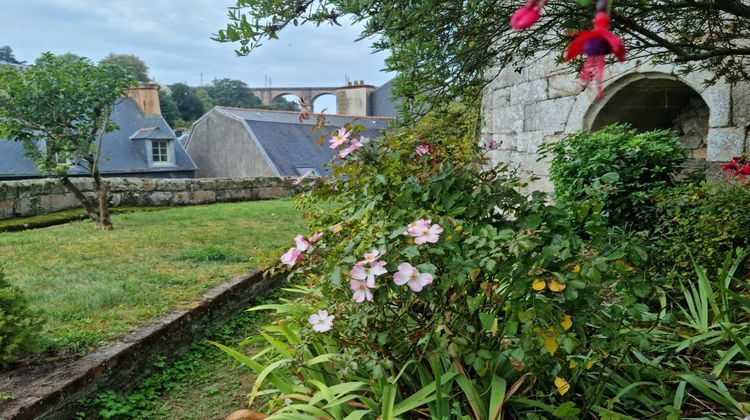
(87,205)
(101,193)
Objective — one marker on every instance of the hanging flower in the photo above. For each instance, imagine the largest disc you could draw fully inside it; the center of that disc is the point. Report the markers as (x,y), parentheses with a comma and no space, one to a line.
(316,236)
(362,272)
(340,138)
(354,144)
(290,257)
(409,275)
(302,244)
(527,15)
(321,321)
(423,149)
(596,45)
(361,289)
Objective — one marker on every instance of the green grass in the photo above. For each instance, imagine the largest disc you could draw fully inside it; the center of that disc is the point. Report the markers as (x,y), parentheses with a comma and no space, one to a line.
(204,384)
(93,286)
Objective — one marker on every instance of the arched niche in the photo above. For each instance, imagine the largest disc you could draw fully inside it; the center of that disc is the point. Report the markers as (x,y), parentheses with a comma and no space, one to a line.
(657,101)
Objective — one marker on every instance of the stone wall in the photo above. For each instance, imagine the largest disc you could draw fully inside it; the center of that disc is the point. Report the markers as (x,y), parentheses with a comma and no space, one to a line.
(40,196)
(542,102)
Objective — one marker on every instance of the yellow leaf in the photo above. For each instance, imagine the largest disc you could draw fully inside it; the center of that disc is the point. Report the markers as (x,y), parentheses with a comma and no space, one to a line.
(575,268)
(493,330)
(337,227)
(566,322)
(556,286)
(459,228)
(550,344)
(562,385)
(538,285)
(573,364)
(549,338)
(590,363)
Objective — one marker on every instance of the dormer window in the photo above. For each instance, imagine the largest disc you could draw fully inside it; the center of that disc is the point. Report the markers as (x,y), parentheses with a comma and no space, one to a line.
(160,152)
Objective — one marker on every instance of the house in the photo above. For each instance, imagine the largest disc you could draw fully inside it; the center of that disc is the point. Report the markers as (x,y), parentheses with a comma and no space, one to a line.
(144,146)
(247,143)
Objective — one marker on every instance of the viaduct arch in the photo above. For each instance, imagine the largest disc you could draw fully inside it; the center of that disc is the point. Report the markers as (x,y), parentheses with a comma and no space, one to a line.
(352,99)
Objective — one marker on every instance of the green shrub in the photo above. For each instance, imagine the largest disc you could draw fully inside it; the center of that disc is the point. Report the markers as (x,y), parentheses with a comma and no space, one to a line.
(19,325)
(616,165)
(707,220)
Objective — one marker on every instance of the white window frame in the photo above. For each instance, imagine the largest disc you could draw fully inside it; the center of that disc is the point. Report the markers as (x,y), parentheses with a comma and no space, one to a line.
(170,152)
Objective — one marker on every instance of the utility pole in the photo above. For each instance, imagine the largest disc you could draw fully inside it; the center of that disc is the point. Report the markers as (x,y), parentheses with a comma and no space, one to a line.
(201,79)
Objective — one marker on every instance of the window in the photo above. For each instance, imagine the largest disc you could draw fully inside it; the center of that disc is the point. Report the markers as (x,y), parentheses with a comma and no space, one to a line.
(160,151)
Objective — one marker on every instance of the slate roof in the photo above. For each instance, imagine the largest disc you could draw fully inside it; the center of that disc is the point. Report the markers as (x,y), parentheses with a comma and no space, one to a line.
(290,144)
(383,102)
(123,150)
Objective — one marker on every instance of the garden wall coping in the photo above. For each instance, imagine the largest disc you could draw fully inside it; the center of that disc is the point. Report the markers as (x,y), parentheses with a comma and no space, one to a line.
(53,391)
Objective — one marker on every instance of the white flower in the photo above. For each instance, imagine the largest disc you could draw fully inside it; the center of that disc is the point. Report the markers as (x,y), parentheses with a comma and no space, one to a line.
(302,243)
(361,290)
(321,321)
(431,235)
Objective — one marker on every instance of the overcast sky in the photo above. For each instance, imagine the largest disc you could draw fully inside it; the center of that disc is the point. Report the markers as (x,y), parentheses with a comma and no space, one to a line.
(173,38)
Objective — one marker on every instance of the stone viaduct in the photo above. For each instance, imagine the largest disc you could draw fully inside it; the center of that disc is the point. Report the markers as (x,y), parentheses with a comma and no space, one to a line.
(353,99)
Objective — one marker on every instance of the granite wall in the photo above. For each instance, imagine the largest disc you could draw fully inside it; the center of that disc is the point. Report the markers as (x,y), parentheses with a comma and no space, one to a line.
(526,106)
(39,196)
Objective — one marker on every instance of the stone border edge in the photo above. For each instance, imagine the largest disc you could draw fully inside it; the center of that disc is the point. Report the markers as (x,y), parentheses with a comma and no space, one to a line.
(121,365)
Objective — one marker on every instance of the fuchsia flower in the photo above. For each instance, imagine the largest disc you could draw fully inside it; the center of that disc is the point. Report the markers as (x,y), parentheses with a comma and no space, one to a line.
(527,15)
(291,257)
(409,275)
(302,244)
(423,231)
(340,138)
(595,45)
(354,144)
(321,321)
(361,290)
(423,149)
(317,235)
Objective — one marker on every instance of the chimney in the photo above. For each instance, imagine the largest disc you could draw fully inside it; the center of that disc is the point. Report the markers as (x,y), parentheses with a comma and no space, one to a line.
(146,95)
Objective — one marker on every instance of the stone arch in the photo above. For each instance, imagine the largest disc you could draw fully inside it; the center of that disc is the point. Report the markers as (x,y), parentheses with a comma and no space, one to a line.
(655,100)
(330,108)
(288,97)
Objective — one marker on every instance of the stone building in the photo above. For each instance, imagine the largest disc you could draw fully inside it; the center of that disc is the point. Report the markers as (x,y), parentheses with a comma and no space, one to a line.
(541,102)
(249,143)
(143,145)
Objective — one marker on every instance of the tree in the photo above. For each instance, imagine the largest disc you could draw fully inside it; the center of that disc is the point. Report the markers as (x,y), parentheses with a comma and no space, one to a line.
(442,50)
(282,104)
(135,66)
(60,110)
(168,107)
(188,102)
(206,99)
(229,92)
(6,55)
(68,57)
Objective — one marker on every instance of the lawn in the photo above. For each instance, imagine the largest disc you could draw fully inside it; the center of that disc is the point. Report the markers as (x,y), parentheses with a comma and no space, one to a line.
(93,286)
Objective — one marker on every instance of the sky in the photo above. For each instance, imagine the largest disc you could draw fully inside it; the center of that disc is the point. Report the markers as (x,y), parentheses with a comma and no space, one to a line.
(173,38)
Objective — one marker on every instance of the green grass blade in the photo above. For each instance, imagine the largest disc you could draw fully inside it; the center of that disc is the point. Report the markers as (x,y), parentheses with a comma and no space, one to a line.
(473,395)
(497,396)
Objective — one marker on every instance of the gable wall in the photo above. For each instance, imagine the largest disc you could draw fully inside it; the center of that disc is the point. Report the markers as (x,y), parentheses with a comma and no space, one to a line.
(221,147)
